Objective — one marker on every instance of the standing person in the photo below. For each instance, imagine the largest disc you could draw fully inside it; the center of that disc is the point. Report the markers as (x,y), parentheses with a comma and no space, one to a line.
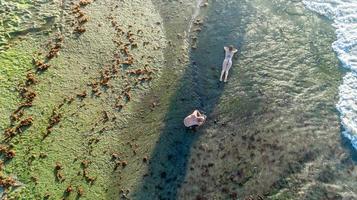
(227,63)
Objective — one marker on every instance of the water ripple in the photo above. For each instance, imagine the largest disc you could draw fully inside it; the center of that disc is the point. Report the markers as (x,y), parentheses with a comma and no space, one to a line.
(344,15)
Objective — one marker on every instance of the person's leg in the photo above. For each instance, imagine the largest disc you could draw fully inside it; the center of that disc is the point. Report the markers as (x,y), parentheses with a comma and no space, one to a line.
(222,73)
(229,65)
(224,66)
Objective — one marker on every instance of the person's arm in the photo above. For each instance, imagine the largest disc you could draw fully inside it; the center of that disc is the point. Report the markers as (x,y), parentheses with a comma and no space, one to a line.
(196,113)
(225,48)
(235,50)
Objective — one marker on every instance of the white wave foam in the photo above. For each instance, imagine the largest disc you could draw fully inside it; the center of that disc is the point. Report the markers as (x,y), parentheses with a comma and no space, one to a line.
(344,15)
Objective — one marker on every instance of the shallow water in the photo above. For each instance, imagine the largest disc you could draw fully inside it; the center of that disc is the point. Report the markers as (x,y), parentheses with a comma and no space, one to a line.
(273,130)
(344,16)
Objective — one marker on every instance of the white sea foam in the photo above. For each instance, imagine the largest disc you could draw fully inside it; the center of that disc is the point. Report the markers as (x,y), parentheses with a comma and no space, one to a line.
(344,15)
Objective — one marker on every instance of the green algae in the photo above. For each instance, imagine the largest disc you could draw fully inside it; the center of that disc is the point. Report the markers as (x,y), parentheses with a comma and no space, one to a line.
(20,18)
(11,12)
(69,142)
(14,64)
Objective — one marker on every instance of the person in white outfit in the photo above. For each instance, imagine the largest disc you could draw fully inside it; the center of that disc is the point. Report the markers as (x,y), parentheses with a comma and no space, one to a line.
(227,63)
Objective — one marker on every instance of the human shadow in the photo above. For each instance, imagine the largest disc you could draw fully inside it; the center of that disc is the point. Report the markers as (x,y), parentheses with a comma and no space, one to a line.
(199,88)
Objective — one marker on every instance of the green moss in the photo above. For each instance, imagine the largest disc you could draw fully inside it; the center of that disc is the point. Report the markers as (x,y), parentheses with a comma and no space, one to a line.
(14,63)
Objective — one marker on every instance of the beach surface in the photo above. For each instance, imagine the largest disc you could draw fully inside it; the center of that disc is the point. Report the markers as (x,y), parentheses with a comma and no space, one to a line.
(93,95)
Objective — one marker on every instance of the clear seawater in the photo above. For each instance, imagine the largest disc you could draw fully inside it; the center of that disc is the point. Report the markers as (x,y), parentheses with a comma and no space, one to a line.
(343,13)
